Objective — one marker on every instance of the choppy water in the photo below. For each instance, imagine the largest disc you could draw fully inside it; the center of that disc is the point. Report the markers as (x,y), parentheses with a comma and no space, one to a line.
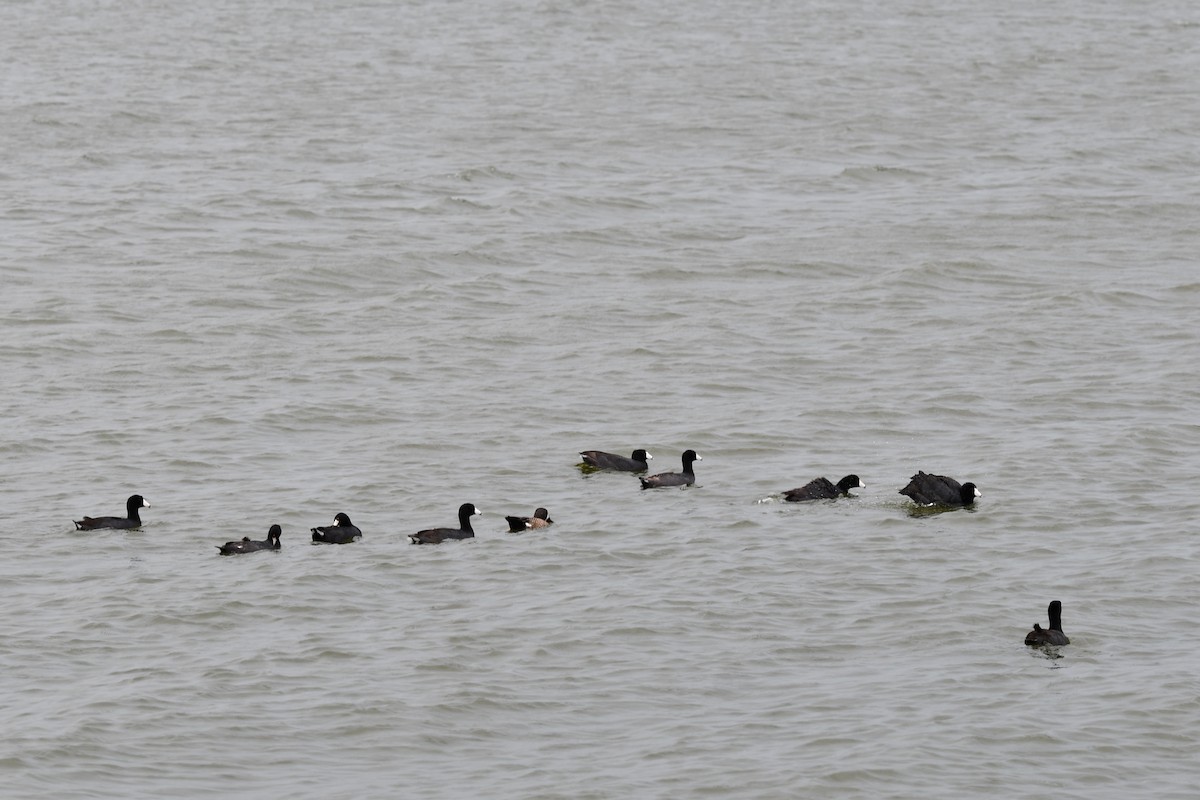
(267,262)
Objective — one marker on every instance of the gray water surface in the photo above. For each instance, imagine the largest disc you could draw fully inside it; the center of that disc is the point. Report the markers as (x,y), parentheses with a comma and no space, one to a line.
(264,263)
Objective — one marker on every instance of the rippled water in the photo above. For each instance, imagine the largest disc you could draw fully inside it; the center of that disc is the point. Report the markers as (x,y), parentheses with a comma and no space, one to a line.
(263,264)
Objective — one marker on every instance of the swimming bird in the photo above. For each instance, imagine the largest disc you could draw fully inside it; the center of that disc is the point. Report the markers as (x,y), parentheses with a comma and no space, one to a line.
(342,531)
(598,459)
(246,545)
(938,490)
(1054,636)
(685,478)
(823,489)
(540,519)
(132,518)
(438,535)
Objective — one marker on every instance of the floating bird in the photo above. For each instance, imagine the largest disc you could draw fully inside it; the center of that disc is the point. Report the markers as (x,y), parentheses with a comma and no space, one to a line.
(131,519)
(438,535)
(823,489)
(938,490)
(540,519)
(342,531)
(246,545)
(685,478)
(1054,636)
(598,459)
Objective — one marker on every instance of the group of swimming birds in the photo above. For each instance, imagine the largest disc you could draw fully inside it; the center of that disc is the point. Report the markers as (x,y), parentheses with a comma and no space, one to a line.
(924,489)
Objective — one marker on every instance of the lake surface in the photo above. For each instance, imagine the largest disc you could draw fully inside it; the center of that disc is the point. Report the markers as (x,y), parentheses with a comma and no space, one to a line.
(268,262)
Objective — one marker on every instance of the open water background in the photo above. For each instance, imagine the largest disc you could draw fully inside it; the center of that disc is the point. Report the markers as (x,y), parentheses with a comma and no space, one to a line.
(267,262)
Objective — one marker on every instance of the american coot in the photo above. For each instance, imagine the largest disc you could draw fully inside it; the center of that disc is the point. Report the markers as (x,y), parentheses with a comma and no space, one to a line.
(598,459)
(685,478)
(463,531)
(540,519)
(342,531)
(246,545)
(131,519)
(823,489)
(938,490)
(1054,636)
